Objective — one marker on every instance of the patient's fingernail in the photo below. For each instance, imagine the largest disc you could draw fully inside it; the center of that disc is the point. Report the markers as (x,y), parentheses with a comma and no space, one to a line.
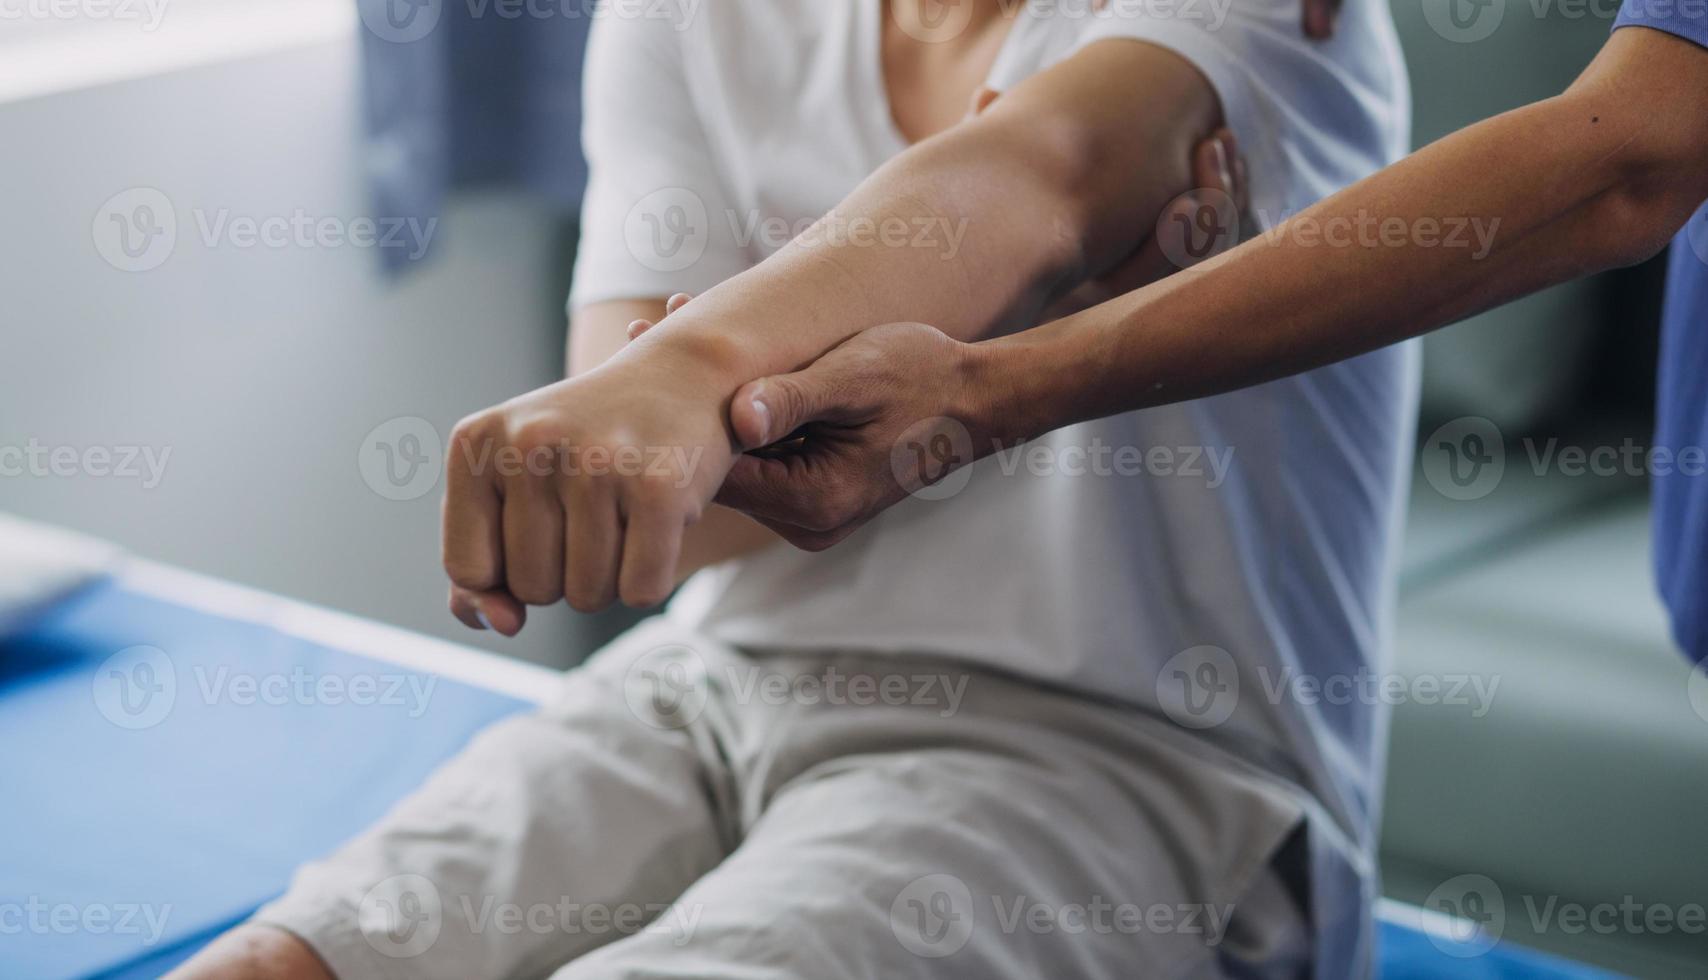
(480,614)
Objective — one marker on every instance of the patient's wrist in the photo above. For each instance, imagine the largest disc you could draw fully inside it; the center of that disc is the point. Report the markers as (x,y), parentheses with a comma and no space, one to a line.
(704,349)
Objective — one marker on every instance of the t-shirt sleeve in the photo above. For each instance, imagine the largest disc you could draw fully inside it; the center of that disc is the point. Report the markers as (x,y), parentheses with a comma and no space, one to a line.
(1310,117)
(1685,18)
(655,219)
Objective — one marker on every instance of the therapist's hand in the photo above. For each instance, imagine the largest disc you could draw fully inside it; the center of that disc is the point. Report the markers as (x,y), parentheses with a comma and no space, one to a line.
(890,412)
(581,490)
(1320,18)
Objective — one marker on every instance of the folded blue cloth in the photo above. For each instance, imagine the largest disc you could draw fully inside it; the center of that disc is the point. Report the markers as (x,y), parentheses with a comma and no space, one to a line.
(165,770)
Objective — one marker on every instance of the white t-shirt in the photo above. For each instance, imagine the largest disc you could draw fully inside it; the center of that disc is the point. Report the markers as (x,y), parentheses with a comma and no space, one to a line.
(1132,552)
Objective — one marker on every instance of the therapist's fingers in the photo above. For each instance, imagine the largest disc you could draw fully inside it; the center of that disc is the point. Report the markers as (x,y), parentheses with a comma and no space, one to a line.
(472,542)
(1320,17)
(671,305)
(593,546)
(1217,179)
(652,540)
(795,498)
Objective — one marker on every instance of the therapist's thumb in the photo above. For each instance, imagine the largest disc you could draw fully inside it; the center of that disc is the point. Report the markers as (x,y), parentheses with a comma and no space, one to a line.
(769,409)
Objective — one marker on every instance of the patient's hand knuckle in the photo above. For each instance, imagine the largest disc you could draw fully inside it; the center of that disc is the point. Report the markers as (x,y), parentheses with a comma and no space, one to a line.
(536,434)
(534,593)
(469,435)
(470,573)
(587,598)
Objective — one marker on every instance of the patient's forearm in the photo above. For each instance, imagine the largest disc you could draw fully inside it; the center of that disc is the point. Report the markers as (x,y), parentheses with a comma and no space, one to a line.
(597,334)
(1590,180)
(1001,214)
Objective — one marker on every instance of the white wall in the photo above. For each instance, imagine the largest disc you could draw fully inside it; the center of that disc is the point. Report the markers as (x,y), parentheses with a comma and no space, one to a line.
(260,369)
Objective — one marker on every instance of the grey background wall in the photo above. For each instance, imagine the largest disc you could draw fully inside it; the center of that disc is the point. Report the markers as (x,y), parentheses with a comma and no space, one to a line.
(260,369)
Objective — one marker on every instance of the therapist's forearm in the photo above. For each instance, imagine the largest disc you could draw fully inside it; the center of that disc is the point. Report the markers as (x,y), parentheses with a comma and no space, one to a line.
(1046,187)
(1599,177)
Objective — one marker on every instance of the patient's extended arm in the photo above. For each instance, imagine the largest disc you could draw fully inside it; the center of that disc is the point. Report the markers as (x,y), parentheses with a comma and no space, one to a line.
(1060,180)
(1600,176)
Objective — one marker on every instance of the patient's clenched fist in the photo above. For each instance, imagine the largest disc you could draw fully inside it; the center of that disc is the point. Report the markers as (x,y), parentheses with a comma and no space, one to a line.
(582,490)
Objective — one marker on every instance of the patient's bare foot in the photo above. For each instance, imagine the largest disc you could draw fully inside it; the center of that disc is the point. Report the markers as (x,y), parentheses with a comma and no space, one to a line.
(254,952)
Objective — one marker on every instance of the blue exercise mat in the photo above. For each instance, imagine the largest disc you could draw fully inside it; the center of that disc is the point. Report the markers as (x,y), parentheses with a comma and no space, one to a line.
(165,770)
(154,799)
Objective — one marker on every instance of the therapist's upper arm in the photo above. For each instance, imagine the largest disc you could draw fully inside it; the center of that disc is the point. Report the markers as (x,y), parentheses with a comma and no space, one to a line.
(1648,91)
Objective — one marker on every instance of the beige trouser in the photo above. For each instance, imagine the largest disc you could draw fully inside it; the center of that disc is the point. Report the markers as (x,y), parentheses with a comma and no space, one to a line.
(683,809)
